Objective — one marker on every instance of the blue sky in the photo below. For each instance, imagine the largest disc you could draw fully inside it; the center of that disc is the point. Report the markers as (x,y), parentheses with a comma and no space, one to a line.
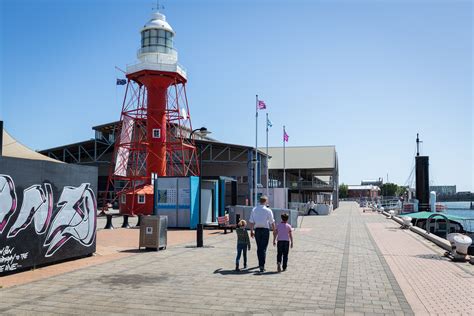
(365,76)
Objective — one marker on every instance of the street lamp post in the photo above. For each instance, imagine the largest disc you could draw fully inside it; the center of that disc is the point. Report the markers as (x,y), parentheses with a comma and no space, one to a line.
(200,227)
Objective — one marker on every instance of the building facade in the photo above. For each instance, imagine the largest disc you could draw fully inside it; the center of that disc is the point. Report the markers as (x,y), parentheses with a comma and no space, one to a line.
(218,159)
(363,191)
(307,172)
(443,189)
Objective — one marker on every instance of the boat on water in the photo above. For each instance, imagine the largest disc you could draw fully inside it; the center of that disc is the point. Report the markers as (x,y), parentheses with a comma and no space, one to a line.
(442,224)
(424,212)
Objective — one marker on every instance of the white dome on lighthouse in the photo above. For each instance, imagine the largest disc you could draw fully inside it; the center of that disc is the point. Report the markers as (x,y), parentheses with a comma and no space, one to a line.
(158,21)
(157,36)
(157,50)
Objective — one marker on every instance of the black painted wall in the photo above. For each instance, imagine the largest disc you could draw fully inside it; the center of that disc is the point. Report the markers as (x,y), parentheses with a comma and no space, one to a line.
(47,212)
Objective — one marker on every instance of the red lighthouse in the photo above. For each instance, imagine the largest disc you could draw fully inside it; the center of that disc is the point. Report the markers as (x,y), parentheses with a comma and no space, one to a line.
(155,125)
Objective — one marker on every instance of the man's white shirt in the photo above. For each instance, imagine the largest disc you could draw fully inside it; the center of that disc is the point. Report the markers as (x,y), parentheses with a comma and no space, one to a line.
(261,217)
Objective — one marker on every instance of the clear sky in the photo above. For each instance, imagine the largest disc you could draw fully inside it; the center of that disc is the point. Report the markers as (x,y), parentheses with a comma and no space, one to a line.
(365,76)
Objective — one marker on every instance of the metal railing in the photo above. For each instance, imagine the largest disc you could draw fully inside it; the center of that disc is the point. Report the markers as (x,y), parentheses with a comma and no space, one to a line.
(157,49)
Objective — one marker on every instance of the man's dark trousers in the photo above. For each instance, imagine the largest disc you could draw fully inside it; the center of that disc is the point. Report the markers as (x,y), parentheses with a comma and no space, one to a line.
(261,237)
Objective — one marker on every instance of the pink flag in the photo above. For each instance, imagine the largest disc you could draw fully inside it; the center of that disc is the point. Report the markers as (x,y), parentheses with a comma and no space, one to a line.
(285,136)
(261,105)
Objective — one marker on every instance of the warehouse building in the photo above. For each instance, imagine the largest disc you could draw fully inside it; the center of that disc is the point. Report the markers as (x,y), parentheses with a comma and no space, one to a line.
(311,172)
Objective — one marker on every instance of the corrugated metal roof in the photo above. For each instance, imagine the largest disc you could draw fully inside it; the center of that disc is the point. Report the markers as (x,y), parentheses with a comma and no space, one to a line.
(304,157)
(12,148)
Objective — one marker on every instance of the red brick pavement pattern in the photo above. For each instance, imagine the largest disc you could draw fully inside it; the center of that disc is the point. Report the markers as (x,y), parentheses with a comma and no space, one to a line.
(111,245)
(431,283)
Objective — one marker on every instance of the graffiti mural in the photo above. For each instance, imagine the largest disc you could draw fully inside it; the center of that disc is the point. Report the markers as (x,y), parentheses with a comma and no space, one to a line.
(7,200)
(75,218)
(37,206)
(41,232)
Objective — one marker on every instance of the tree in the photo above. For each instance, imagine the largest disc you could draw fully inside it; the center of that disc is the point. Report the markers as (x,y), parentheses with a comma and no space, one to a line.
(343,191)
(390,189)
(401,190)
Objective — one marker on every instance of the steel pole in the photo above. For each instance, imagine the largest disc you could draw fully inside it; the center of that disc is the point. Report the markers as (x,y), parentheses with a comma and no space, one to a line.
(200,228)
(284,168)
(256,152)
(267,156)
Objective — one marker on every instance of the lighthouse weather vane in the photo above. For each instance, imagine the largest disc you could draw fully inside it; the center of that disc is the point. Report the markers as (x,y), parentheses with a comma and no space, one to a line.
(158,6)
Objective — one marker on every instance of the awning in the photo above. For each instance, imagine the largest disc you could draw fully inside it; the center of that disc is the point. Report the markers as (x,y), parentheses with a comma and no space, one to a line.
(425,215)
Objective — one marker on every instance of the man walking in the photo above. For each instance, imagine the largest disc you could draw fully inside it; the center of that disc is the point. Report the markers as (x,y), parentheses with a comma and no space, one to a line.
(261,219)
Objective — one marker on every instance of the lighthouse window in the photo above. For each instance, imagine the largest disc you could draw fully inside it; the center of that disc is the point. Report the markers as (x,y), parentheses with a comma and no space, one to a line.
(160,40)
(156,133)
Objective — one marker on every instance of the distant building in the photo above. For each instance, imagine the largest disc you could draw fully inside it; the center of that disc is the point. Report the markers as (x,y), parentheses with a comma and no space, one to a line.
(309,171)
(378,182)
(443,189)
(363,191)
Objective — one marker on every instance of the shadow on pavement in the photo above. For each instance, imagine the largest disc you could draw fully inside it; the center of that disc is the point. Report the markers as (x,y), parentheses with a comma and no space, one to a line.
(253,270)
(243,271)
(432,257)
(266,273)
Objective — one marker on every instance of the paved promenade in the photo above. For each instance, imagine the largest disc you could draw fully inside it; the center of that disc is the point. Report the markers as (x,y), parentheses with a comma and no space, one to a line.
(349,263)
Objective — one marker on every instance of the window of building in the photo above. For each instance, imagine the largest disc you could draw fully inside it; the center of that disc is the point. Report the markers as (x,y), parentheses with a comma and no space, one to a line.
(156,133)
(98,135)
(141,199)
(123,198)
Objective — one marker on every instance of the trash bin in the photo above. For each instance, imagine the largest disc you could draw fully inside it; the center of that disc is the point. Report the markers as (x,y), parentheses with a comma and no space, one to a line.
(153,232)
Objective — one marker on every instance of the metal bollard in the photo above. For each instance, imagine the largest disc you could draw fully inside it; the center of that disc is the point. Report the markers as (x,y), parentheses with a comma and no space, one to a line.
(109,224)
(125,222)
(199,235)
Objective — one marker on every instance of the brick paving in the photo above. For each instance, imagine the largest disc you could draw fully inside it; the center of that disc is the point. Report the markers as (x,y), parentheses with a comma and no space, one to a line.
(335,268)
(431,282)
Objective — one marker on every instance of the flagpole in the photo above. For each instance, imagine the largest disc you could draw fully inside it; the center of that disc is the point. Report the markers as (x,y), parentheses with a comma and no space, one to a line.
(267,155)
(284,167)
(256,152)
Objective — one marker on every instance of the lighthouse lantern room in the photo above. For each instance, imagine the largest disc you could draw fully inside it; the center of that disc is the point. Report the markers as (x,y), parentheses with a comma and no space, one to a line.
(153,138)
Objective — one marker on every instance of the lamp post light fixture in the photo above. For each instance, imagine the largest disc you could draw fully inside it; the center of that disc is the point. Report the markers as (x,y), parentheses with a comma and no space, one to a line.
(200,227)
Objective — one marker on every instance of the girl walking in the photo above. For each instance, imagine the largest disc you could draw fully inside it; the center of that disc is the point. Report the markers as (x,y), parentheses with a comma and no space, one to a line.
(285,241)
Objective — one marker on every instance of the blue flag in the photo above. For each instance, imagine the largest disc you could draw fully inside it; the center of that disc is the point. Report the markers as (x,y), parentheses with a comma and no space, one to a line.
(121,82)
(269,123)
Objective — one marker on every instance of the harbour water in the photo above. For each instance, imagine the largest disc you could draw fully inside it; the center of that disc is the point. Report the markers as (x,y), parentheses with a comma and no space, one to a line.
(461,209)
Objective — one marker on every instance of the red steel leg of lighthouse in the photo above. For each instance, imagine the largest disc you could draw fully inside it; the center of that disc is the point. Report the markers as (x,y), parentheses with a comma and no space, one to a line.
(156,120)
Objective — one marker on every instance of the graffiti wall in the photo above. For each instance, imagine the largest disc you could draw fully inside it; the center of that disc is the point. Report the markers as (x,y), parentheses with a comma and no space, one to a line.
(47,212)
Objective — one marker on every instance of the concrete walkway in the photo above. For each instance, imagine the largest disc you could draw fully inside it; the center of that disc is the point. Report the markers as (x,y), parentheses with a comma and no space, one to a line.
(345,263)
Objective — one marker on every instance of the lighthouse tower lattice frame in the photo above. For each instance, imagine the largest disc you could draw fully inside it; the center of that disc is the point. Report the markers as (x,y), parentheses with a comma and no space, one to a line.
(153,137)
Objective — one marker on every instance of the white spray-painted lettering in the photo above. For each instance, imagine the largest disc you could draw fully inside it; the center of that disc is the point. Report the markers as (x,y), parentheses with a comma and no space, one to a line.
(10,260)
(7,200)
(75,218)
(37,206)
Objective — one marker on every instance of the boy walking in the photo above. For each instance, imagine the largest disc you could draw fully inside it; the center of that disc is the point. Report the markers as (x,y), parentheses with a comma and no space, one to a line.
(243,242)
(285,241)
